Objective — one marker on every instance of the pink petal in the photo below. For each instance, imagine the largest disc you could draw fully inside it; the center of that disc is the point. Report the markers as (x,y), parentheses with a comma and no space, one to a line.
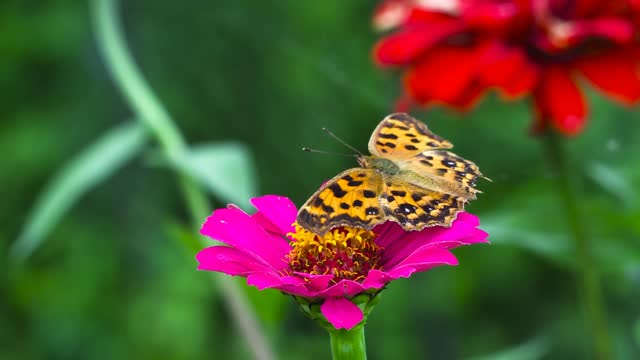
(422,260)
(316,282)
(468,218)
(267,280)
(341,313)
(377,279)
(230,261)
(463,231)
(344,288)
(279,211)
(388,233)
(237,229)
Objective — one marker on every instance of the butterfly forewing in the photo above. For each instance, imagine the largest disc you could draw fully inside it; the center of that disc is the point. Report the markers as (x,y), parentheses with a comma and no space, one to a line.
(351,198)
(400,136)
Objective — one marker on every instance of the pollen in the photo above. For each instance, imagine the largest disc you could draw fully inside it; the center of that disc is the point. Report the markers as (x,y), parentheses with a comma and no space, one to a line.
(345,252)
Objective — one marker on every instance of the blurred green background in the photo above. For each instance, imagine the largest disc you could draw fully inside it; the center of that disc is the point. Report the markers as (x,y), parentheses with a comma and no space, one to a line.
(113,278)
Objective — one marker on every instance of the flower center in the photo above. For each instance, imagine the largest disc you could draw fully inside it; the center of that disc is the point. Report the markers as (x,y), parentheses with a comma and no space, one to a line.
(345,252)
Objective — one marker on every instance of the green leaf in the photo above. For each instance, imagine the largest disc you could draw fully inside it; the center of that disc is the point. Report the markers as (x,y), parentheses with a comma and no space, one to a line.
(611,180)
(533,349)
(87,170)
(225,169)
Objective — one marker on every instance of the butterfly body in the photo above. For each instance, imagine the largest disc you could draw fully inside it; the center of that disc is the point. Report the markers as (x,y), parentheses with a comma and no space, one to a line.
(380,164)
(409,179)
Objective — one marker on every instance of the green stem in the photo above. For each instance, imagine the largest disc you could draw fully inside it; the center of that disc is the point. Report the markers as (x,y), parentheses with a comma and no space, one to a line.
(590,288)
(156,118)
(348,344)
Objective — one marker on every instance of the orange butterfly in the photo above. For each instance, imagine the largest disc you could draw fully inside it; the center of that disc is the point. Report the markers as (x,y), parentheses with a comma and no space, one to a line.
(409,179)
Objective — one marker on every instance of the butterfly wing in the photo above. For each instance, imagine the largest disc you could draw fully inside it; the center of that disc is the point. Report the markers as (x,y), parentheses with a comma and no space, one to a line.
(350,198)
(443,171)
(400,136)
(415,207)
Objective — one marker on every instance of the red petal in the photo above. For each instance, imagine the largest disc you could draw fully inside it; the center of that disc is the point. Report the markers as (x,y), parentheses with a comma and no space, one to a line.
(404,103)
(445,75)
(390,14)
(613,29)
(616,74)
(559,100)
(405,46)
(508,69)
(421,15)
(470,97)
(489,15)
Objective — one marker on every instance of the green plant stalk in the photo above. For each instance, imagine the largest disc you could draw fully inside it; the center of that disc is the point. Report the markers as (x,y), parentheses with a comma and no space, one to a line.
(348,344)
(590,287)
(150,111)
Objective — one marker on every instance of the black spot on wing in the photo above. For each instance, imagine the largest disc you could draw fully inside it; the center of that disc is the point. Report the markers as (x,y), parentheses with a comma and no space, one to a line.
(369,194)
(449,163)
(399,193)
(337,190)
(372,210)
(317,201)
(406,209)
(388,136)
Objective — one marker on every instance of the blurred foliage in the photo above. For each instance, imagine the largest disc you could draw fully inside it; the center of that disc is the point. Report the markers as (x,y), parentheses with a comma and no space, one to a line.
(113,279)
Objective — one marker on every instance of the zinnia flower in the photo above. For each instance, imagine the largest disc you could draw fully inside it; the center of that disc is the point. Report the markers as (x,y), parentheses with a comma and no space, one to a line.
(457,49)
(273,253)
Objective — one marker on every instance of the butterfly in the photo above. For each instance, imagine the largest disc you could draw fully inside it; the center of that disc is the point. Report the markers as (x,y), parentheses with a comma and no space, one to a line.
(410,178)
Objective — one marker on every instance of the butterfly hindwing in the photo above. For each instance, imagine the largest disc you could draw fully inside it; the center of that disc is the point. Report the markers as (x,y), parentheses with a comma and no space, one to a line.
(351,198)
(415,207)
(400,136)
(447,172)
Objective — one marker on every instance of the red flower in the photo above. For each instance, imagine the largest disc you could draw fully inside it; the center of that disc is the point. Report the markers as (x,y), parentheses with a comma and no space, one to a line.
(455,50)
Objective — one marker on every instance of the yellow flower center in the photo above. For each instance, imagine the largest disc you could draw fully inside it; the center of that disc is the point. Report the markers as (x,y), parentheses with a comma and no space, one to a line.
(345,252)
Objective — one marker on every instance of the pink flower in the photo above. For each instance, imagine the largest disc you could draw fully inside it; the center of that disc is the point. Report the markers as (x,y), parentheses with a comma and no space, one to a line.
(273,253)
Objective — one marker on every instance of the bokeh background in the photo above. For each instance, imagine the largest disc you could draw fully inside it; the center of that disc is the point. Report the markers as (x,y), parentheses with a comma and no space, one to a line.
(113,278)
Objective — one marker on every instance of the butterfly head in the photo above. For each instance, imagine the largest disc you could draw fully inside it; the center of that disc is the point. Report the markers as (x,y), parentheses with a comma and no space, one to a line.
(364,161)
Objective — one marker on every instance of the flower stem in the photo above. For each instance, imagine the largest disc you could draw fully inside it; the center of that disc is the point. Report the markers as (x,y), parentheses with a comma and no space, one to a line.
(348,344)
(590,287)
(156,118)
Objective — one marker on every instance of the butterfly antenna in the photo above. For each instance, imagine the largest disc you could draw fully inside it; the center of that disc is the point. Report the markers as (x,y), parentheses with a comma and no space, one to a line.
(326,152)
(341,141)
